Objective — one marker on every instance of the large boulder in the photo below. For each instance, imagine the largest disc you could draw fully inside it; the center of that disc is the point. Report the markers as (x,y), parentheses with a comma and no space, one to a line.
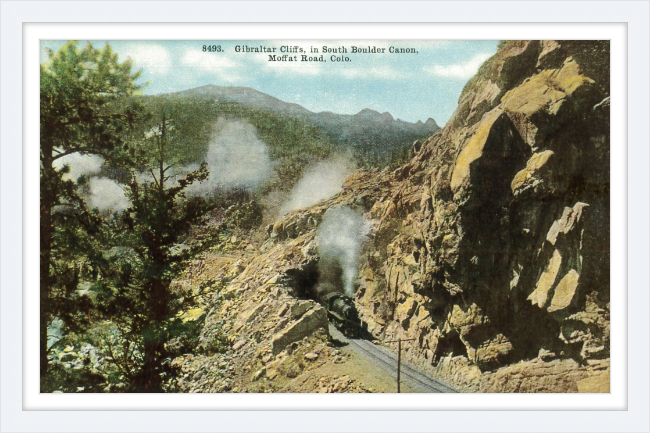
(309,323)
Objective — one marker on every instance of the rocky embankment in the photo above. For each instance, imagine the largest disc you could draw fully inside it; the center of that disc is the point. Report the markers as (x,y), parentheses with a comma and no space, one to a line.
(490,248)
(261,301)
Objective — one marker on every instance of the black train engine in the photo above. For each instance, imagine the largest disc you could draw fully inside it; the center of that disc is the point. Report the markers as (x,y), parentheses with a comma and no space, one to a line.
(343,313)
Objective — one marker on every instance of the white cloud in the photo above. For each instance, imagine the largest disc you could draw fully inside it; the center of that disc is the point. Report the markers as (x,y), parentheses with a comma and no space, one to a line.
(198,59)
(224,67)
(463,70)
(296,68)
(385,72)
(154,57)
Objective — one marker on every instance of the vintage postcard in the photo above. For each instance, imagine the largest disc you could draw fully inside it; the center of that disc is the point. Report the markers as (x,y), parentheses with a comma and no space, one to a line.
(324,216)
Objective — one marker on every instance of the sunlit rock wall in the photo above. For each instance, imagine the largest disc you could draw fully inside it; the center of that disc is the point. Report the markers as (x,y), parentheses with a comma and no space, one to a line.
(493,244)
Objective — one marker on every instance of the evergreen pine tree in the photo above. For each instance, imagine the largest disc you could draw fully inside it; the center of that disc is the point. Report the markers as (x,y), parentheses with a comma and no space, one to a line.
(82,110)
(142,303)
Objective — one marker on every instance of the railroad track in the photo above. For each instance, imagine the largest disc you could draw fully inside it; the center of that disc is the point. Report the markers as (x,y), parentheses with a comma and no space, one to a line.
(387,360)
(407,372)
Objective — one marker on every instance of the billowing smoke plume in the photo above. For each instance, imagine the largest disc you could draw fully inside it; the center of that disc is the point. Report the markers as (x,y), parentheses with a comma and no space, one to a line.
(106,195)
(79,164)
(340,236)
(236,159)
(318,183)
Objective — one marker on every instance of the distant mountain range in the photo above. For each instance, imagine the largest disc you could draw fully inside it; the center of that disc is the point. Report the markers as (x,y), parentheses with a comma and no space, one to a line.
(255,99)
(377,135)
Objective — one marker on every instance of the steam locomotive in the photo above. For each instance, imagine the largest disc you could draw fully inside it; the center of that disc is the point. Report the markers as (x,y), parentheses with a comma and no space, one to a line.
(342,312)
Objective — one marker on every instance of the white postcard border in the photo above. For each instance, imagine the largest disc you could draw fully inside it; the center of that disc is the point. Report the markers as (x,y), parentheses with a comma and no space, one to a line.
(377,421)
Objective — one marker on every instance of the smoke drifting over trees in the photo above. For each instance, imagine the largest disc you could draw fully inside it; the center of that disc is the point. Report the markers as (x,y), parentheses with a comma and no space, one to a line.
(320,182)
(101,193)
(236,158)
(79,165)
(106,195)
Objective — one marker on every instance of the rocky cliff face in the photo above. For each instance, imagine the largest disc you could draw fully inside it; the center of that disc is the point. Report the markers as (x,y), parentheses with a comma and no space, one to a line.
(494,244)
(490,248)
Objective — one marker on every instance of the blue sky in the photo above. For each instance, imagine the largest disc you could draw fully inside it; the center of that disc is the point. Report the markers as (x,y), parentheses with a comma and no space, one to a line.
(409,86)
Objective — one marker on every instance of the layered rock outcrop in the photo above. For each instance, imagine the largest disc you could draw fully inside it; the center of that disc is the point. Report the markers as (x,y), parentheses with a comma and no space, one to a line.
(496,237)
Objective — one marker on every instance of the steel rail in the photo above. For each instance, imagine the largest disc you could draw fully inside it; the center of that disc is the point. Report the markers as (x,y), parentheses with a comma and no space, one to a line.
(411,373)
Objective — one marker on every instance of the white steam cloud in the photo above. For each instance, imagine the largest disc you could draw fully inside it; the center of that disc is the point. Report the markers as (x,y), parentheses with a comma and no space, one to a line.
(106,195)
(101,193)
(79,165)
(340,236)
(236,159)
(318,183)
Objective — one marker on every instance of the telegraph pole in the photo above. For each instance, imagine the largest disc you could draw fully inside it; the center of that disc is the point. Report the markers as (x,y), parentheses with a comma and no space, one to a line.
(399,359)
(399,363)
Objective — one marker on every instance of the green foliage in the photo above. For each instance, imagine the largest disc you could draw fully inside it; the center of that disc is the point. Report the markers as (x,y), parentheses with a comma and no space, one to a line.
(141,302)
(82,109)
(60,379)
(183,337)
(82,101)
